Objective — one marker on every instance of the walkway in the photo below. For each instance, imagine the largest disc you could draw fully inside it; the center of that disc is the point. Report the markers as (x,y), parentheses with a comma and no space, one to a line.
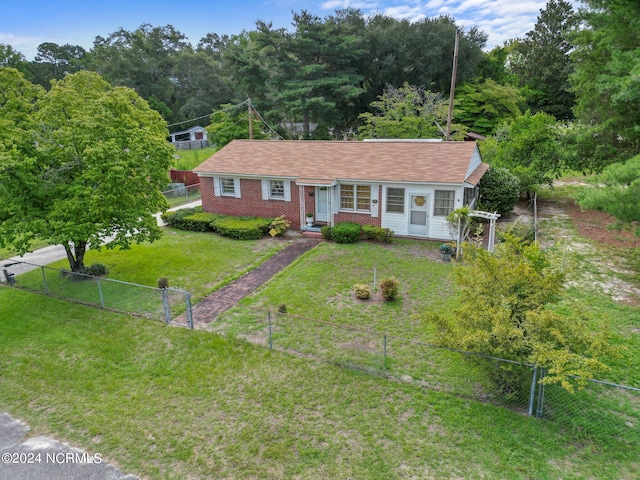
(221,300)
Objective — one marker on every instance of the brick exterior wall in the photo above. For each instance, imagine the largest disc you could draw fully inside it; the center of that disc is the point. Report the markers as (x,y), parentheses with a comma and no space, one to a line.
(252,204)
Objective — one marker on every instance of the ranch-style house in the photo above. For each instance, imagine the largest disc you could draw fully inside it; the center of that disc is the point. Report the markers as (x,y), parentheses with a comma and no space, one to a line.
(409,186)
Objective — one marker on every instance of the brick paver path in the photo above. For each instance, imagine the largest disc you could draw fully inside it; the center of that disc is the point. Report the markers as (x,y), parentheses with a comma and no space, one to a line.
(208,309)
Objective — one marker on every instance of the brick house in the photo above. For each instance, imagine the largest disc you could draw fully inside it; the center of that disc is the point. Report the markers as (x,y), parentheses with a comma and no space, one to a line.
(409,186)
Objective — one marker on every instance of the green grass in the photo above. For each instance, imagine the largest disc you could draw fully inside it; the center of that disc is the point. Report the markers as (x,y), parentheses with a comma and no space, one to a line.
(170,403)
(196,262)
(189,159)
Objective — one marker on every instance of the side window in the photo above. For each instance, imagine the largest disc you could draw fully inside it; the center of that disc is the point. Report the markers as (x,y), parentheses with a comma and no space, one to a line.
(395,200)
(443,203)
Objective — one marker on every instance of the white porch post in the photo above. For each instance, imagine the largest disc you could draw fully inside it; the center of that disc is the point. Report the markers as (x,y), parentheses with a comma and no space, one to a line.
(302,208)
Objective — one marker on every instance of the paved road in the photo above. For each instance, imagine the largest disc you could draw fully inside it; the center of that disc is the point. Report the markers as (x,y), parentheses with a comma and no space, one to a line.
(53,253)
(43,458)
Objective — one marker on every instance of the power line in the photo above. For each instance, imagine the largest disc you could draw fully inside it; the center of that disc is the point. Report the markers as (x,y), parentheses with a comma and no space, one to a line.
(208,115)
(264,121)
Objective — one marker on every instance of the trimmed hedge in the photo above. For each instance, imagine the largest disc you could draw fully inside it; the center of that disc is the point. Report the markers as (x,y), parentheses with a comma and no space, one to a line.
(241,228)
(377,234)
(346,232)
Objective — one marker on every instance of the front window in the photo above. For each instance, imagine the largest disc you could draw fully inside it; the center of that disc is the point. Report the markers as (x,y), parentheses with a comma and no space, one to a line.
(395,200)
(228,186)
(276,189)
(443,203)
(355,198)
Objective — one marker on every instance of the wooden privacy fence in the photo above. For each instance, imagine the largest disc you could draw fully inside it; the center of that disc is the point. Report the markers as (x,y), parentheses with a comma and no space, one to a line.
(184,176)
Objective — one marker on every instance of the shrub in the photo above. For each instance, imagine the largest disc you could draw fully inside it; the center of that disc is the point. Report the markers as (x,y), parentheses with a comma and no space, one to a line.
(346,232)
(199,221)
(326,232)
(389,288)
(282,308)
(96,269)
(362,291)
(241,228)
(163,282)
(522,230)
(280,225)
(377,234)
(499,191)
(175,218)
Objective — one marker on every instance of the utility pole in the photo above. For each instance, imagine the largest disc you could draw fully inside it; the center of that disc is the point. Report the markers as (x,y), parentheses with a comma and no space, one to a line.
(453,87)
(250,119)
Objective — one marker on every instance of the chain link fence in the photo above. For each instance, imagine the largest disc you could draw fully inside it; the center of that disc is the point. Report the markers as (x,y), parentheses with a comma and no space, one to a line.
(170,305)
(179,193)
(600,411)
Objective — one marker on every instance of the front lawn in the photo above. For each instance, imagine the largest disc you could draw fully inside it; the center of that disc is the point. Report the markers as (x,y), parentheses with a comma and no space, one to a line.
(164,402)
(197,262)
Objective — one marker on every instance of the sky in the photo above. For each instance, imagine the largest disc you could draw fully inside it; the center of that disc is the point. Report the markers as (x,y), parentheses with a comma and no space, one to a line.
(25,24)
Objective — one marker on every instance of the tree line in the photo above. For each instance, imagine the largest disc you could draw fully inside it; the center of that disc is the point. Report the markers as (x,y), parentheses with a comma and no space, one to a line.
(569,87)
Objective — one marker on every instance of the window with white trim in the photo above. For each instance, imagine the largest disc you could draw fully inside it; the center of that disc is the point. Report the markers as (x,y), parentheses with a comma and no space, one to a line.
(228,187)
(395,200)
(443,202)
(276,189)
(355,198)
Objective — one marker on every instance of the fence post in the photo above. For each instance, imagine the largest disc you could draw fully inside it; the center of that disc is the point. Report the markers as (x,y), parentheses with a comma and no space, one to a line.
(44,280)
(165,306)
(384,351)
(540,394)
(187,297)
(270,337)
(375,279)
(532,393)
(100,292)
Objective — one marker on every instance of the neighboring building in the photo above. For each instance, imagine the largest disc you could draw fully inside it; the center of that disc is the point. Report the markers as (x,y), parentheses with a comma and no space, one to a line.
(407,186)
(191,139)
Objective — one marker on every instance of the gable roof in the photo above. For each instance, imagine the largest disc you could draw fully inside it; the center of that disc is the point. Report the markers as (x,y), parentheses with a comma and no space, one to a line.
(323,162)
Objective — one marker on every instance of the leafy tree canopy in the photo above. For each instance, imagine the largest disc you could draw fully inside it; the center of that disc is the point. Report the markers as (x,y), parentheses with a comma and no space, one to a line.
(408,112)
(532,147)
(95,173)
(232,123)
(481,107)
(503,312)
(607,69)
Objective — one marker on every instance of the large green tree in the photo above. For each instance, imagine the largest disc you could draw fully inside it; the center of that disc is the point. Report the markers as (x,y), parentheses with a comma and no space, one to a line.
(147,60)
(481,107)
(84,167)
(532,147)
(312,70)
(542,61)
(53,62)
(606,81)
(407,112)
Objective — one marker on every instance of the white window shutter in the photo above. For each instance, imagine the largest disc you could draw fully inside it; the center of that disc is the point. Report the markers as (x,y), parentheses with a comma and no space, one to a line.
(236,187)
(287,191)
(217,188)
(265,189)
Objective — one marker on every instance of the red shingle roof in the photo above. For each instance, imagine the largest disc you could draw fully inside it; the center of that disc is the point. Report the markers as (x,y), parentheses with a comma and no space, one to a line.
(386,161)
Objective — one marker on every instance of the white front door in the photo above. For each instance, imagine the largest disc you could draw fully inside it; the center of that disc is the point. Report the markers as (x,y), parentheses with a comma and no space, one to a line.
(419,215)
(322,204)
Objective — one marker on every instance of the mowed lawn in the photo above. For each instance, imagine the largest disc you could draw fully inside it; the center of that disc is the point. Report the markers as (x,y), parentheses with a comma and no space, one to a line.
(194,261)
(164,402)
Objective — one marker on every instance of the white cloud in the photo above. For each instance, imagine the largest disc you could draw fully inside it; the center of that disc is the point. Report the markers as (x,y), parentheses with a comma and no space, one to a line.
(25,44)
